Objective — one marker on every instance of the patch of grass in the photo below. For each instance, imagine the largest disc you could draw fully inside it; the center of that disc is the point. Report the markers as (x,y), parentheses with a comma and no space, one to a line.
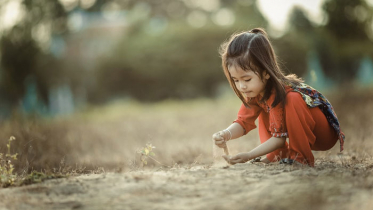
(7,178)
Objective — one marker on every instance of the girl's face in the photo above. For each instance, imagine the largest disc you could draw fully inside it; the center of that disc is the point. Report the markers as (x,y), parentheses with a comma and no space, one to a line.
(247,82)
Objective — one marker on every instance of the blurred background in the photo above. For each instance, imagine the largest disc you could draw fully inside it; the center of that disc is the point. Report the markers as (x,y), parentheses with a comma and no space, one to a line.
(84,75)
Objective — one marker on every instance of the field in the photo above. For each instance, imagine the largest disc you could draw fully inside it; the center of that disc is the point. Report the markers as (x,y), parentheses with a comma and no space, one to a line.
(99,147)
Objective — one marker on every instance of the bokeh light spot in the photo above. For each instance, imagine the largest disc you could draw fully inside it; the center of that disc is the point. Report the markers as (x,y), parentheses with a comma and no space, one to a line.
(207,5)
(224,17)
(313,76)
(41,33)
(197,19)
(361,13)
(140,11)
(86,4)
(75,21)
(111,11)
(69,5)
(157,26)
(11,13)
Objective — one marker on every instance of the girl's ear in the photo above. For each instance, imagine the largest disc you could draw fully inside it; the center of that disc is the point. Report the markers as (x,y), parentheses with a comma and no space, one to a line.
(266,75)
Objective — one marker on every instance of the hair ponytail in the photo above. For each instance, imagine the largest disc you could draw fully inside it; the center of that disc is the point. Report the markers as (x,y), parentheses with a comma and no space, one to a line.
(258,30)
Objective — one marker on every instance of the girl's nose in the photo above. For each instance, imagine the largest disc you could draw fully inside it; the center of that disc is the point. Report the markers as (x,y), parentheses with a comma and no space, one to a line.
(242,86)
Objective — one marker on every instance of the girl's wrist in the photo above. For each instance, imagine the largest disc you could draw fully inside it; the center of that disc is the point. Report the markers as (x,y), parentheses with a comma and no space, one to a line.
(249,156)
(227,134)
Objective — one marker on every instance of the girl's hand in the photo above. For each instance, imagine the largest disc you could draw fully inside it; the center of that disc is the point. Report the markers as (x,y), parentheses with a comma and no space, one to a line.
(239,158)
(220,139)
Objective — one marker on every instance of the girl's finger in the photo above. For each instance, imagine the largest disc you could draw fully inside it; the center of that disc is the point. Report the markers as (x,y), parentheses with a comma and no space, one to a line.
(236,157)
(220,141)
(218,137)
(221,134)
(239,160)
(226,158)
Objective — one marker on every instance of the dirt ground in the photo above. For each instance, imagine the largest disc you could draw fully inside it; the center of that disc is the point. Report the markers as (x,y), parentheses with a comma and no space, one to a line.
(111,137)
(219,186)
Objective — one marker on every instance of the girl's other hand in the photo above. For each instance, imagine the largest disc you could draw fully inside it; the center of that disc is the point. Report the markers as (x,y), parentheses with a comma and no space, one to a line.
(239,158)
(219,139)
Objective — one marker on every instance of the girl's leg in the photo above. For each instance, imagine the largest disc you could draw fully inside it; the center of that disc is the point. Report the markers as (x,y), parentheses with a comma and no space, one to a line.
(264,135)
(326,137)
(300,125)
(308,129)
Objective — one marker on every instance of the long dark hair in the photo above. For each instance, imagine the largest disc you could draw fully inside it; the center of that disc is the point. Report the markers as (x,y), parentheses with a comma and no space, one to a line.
(252,51)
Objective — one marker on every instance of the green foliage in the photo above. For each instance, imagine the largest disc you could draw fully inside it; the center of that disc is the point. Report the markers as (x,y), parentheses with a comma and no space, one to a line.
(339,43)
(343,40)
(7,178)
(299,21)
(147,152)
(22,51)
(182,62)
(348,19)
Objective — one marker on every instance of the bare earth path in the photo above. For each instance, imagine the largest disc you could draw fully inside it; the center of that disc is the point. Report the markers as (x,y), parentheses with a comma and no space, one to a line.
(243,186)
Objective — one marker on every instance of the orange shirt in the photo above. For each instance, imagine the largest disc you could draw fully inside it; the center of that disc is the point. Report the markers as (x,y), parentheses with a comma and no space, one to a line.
(247,115)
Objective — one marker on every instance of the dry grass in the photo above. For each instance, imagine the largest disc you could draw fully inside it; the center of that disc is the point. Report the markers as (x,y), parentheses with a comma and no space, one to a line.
(109,137)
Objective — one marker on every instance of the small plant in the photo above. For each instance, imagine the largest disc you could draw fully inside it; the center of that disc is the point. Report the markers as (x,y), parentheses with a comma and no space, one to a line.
(7,178)
(147,152)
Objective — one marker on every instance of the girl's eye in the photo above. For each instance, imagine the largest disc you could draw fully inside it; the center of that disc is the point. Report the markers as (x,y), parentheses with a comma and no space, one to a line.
(235,80)
(248,80)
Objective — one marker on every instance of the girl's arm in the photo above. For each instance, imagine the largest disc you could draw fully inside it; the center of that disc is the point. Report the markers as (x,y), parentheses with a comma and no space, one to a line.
(269,146)
(232,132)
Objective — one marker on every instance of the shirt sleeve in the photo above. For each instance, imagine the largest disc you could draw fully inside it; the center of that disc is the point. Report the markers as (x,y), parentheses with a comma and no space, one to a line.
(247,115)
(277,125)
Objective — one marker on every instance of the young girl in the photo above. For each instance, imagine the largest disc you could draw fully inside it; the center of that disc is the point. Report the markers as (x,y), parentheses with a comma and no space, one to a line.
(286,107)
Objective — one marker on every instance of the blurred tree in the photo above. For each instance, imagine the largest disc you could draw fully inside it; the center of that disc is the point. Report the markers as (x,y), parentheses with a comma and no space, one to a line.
(293,47)
(340,42)
(169,48)
(348,19)
(179,61)
(345,37)
(299,22)
(18,58)
(24,48)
